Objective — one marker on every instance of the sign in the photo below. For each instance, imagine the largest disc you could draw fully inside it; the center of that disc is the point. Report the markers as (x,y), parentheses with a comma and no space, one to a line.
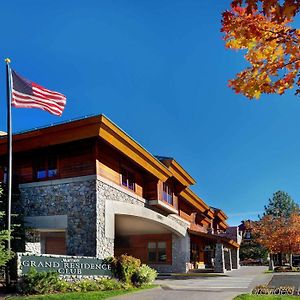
(65,265)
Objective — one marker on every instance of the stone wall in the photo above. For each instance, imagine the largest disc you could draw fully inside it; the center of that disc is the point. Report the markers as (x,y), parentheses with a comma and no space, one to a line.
(108,192)
(219,259)
(82,201)
(75,198)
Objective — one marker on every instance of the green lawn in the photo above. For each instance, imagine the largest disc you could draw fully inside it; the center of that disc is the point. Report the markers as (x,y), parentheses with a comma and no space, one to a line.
(80,296)
(265,297)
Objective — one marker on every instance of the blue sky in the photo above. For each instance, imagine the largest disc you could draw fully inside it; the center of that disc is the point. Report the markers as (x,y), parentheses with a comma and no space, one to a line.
(159,69)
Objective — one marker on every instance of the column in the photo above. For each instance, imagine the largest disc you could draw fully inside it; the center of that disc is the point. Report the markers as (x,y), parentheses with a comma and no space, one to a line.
(219,259)
(235,256)
(228,261)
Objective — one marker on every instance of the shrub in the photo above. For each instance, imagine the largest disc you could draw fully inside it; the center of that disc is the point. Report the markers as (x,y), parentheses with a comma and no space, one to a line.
(40,282)
(49,282)
(144,276)
(108,284)
(125,266)
(86,285)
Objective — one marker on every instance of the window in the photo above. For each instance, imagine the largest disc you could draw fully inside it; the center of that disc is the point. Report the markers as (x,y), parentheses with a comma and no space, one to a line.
(46,167)
(167,193)
(157,252)
(127,179)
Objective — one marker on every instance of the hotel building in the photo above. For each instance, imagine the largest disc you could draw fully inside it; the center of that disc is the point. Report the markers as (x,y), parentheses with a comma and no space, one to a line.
(87,188)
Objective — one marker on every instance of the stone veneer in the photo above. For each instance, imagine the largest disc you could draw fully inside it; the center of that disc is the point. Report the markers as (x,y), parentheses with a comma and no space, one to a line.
(83,201)
(105,246)
(219,259)
(75,198)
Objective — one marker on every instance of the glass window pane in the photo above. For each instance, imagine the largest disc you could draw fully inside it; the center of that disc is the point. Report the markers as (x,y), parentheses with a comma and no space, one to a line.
(151,245)
(152,256)
(152,252)
(52,162)
(41,174)
(162,245)
(124,177)
(131,182)
(162,253)
(52,173)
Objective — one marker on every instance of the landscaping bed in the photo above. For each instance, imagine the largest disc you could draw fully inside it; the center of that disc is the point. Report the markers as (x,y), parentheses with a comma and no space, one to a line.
(265,297)
(129,275)
(81,295)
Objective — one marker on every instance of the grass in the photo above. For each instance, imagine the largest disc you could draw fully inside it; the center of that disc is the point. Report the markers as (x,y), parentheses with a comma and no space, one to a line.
(265,297)
(191,275)
(81,296)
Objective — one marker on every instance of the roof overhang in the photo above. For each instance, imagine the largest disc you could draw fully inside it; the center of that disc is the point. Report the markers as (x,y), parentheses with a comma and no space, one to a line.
(215,237)
(195,200)
(97,126)
(178,171)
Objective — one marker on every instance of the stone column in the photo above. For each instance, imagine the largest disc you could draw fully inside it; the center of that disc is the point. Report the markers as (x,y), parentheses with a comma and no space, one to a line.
(180,253)
(219,259)
(33,242)
(235,256)
(228,261)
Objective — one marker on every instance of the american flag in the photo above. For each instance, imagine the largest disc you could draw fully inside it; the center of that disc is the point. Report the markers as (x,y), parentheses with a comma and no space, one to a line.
(27,94)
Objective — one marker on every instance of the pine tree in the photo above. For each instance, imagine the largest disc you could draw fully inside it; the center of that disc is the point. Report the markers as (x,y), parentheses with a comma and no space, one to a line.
(281,205)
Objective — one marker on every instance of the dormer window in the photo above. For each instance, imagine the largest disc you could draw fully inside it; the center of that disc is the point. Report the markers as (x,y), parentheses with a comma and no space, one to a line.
(46,167)
(127,179)
(167,193)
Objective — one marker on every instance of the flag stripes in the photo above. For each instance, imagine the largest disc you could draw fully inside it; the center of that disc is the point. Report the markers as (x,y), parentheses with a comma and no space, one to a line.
(27,94)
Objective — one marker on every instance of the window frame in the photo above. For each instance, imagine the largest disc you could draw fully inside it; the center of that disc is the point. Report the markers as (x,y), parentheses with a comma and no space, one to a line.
(129,175)
(167,193)
(157,261)
(44,161)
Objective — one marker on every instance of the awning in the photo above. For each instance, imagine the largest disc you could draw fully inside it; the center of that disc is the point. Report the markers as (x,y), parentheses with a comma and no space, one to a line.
(216,238)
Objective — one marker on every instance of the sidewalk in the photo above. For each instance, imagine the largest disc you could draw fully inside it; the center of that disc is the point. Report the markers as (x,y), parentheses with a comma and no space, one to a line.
(205,288)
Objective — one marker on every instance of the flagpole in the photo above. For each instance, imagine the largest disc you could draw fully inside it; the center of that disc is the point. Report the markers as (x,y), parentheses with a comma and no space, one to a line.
(9,165)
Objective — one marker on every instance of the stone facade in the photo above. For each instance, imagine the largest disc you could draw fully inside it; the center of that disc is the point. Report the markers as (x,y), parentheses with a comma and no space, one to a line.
(83,205)
(235,255)
(83,201)
(227,259)
(219,258)
(110,192)
(74,198)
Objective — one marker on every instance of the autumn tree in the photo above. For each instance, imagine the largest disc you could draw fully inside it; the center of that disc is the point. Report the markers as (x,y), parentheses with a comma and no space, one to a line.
(263,29)
(278,234)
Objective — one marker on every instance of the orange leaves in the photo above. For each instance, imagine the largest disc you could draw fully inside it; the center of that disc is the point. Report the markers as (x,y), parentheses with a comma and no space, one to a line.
(272,50)
(278,10)
(278,234)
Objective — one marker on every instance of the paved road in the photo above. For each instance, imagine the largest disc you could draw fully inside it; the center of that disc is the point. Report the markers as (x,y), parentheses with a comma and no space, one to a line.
(205,288)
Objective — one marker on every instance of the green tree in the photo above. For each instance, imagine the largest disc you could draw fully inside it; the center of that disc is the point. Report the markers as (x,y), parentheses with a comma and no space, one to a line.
(4,236)
(252,250)
(281,205)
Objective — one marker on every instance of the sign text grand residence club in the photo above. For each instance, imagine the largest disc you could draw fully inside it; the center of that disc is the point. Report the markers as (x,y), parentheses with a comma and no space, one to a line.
(88,189)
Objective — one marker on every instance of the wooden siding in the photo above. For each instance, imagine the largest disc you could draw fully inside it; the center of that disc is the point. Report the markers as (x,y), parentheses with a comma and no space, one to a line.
(137,246)
(191,214)
(109,164)
(73,160)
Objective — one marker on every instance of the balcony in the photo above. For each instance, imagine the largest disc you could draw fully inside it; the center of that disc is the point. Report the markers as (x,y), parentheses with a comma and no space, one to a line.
(163,205)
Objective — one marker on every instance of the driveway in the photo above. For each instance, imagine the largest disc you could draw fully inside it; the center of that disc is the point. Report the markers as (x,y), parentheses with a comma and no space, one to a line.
(205,288)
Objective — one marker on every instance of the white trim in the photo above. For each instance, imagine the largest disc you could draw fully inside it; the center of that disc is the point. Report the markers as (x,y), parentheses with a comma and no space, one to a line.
(176,216)
(113,208)
(56,222)
(163,205)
